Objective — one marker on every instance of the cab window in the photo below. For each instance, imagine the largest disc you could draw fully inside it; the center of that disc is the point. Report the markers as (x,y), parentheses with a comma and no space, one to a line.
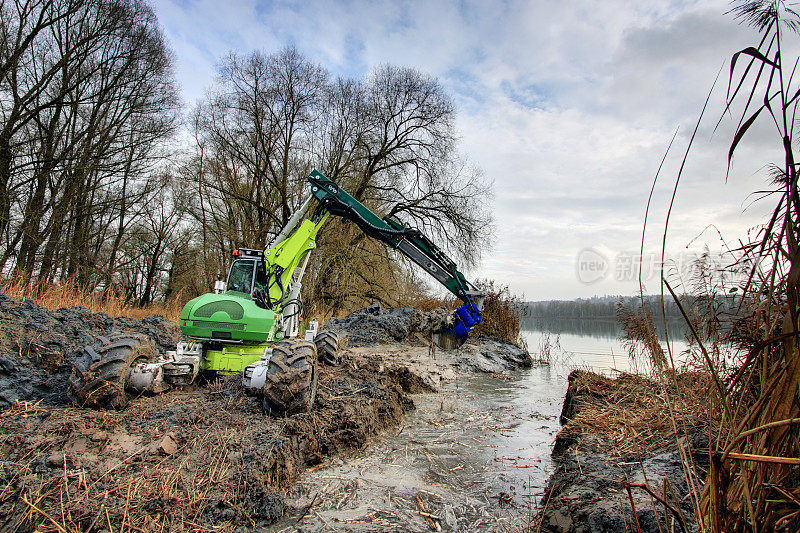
(240,277)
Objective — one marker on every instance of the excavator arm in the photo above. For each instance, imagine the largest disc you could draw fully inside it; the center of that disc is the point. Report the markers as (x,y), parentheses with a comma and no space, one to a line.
(408,241)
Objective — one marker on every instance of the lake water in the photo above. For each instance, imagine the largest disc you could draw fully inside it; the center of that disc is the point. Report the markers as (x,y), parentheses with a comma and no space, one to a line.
(593,344)
(476,454)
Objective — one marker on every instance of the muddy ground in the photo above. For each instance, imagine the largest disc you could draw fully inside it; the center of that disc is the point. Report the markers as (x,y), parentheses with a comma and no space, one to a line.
(37,346)
(618,456)
(202,458)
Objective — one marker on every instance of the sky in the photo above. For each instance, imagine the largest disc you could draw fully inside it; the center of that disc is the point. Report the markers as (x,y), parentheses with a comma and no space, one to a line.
(568,107)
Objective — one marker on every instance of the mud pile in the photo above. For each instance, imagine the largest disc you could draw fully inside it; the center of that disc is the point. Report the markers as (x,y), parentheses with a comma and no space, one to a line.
(191,459)
(200,457)
(37,346)
(373,325)
(491,355)
(598,465)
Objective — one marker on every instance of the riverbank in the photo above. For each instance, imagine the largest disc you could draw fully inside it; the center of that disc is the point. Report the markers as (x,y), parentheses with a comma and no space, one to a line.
(619,454)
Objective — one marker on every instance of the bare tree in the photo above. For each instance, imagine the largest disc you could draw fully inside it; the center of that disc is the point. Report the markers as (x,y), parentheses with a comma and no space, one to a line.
(388,139)
(253,131)
(154,250)
(89,100)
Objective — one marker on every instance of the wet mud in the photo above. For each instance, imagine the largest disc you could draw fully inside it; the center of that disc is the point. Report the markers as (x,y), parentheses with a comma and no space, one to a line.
(208,457)
(38,346)
(374,325)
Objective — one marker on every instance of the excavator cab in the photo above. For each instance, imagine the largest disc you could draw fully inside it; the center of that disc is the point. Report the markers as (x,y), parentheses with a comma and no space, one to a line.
(241,276)
(247,272)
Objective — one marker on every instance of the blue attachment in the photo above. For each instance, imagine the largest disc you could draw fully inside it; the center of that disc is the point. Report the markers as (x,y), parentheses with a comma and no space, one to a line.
(467,316)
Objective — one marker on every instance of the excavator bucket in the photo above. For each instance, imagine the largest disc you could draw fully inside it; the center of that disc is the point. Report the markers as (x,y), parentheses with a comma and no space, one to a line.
(466,317)
(447,340)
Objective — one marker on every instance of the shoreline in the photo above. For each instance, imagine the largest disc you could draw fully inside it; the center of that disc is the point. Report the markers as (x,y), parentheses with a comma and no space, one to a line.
(618,456)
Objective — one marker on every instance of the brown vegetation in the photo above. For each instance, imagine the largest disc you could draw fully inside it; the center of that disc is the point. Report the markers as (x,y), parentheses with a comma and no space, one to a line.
(54,296)
(501,310)
(191,460)
(640,338)
(754,483)
(632,414)
(751,355)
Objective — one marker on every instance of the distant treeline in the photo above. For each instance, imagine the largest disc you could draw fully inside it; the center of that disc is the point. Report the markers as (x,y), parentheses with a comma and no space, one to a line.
(606,307)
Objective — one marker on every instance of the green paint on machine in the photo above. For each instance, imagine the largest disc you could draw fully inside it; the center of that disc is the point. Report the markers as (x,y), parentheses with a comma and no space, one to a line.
(232,316)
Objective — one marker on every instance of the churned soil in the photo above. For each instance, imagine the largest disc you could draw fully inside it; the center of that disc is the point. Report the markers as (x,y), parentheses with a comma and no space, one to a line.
(203,458)
(38,346)
(200,458)
(375,325)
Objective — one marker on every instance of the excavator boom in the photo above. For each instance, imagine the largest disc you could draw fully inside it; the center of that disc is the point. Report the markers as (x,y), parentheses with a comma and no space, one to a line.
(408,241)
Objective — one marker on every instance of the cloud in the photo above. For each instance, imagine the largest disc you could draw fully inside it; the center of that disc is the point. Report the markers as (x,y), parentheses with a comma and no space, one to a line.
(567,106)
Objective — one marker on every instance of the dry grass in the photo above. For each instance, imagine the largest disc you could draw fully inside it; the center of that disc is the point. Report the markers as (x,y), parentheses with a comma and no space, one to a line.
(429,303)
(65,469)
(633,414)
(640,339)
(501,310)
(67,294)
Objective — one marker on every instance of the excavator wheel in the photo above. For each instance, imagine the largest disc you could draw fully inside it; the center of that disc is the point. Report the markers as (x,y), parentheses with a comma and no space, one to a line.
(327,343)
(291,383)
(99,377)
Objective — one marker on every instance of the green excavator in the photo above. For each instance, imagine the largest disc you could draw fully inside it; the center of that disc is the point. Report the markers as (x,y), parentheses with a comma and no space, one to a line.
(251,323)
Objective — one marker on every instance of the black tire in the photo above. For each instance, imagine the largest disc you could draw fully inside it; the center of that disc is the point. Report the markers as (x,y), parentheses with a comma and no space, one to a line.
(291,384)
(327,343)
(99,377)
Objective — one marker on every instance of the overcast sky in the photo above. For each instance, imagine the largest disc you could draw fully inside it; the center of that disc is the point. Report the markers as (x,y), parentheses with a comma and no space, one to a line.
(567,106)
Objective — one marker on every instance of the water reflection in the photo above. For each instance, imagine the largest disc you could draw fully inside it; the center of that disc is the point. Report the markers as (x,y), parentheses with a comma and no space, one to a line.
(597,327)
(594,344)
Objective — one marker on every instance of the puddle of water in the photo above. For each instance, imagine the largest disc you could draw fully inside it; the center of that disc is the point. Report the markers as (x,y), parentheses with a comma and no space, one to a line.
(498,435)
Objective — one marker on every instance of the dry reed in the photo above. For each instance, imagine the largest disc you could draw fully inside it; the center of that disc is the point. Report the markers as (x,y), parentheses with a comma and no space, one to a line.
(501,311)
(66,293)
(632,414)
(641,340)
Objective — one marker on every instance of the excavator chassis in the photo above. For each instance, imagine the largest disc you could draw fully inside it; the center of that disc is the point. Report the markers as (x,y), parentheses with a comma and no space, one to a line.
(285,374)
